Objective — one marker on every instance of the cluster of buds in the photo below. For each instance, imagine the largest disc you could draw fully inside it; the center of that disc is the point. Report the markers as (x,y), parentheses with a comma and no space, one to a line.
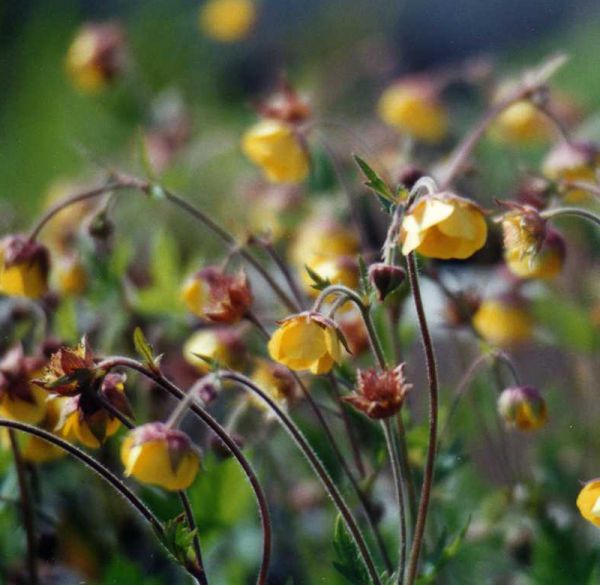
(156,454)
(24,267)
(523,407)
(216,296)
(380,394)
(97,56)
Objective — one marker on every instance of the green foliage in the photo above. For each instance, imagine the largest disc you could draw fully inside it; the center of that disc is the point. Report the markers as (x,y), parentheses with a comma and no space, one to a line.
(378,185)
(349,562)
(144,349)
(178,540)
(318,283)
(121,571)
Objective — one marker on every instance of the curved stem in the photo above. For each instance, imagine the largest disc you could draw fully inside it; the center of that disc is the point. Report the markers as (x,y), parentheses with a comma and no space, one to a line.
(578,211)
(338,289)
(314,461)
(26,509)
(399,483)
(220,432)
(591,188)
(94,465)
(433,421)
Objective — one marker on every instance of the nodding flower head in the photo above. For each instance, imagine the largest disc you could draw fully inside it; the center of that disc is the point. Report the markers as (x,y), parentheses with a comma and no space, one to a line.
(24,267)
(227,21)
(588,502)
(307,341)
(216,296)
(277,382)
(158,455)
(523,407)
(380,394)
(504,320)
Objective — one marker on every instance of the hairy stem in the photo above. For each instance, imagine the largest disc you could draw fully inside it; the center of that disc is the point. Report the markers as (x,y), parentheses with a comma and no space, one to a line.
(577,211)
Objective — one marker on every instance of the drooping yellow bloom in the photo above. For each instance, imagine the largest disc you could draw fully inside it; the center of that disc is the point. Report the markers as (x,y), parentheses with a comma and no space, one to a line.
(157,455)
(29,411)
(413,107)
(24,267)
(227,21)
(523,407)
(546,264)
(588,502)
(306,341)
(224,346)
(275,147)
(443,226)
(502,322)
(276,381)
(577,161)
(80,428)
(521,124)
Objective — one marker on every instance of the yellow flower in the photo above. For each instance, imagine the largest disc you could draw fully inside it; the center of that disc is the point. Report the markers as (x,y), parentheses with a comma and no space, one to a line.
(24,267)
(96,56)
(25,410)
(588,502)
(413,107)
(227,21)
(276,381)
(157,455)
(307,341)
(545,264)
(521,124)
(443,226)
(523,407)
(575,161)
(337,270)
(503,322)
(71,276)
(276,148)
(221,345)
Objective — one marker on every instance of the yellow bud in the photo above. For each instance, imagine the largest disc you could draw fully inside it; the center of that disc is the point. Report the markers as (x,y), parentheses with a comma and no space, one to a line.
(276,148)
(588,502)
(24,267)
(29,411)
(227,21)
(521,124)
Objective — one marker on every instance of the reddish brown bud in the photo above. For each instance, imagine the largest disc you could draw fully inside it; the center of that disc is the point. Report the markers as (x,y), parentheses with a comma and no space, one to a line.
(380,394)
(385,278)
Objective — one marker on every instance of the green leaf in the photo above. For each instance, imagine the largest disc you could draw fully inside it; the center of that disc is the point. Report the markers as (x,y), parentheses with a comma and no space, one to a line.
(319,283)
(349,562)
(178,540)
(121,570)
(144,349)
(375,182)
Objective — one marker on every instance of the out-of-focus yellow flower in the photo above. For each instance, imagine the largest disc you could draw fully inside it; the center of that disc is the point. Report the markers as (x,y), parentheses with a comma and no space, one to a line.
(443,226)
(276,381)
(503,322)
(413,107)
(24,267)
(219,297)
(546,264)
(227,21)
(221,345)
(277,149)
(20,398)
(71,276)
(337,270)
(577,161)
(157,455)
(521,124)
(307,341)
(523,407)
(96,57)
(588,502)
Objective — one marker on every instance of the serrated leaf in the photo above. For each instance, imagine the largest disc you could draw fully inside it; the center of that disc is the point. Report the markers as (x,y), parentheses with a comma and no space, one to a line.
(375,182)
(144,349)
(178,540)
(349,562)
(318,283)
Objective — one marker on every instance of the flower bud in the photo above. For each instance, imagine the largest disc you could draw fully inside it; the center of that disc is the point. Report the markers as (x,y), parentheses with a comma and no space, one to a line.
(522,123)
(20,398)
(211,294)
(573,161)
(96,57)
(523,407)
(157,455)
(523,229)
(24,267)
(307,341)
(588,502)
(546,264)
(385,278)
(503,321)
(413,107)
(227,21)
(380,394)
(285,105)
(278,150)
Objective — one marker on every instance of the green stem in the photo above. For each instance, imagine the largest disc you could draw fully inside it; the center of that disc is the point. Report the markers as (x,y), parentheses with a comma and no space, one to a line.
(314,461)
(432,376)
(577,211)
(26,509)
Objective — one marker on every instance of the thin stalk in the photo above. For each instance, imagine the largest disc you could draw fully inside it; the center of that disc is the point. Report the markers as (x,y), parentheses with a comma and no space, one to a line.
(433,421)
(582,185)
(577,211)
(185,502)
(314,461)
(399,483)
(220,432)
(26,509)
